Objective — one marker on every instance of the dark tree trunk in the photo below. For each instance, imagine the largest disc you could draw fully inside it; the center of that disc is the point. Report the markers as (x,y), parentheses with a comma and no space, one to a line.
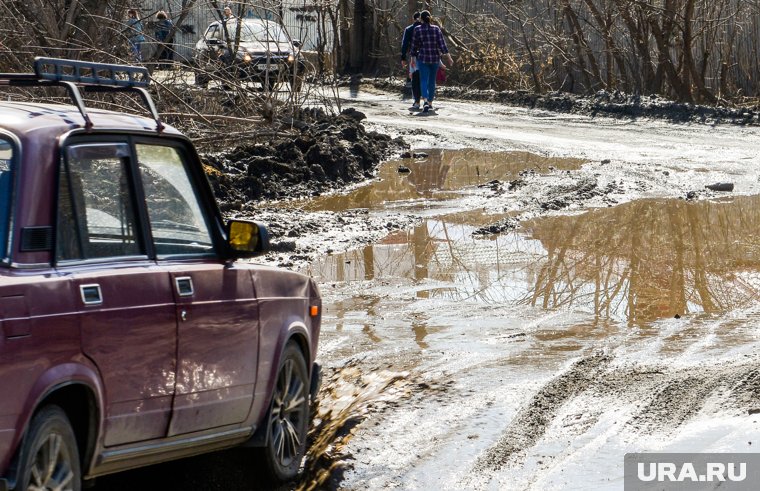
(358,37)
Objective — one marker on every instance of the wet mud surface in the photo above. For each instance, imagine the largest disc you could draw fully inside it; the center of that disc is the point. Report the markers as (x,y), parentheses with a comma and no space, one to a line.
(614,104)
(594,299)
(312,154)
(523,299)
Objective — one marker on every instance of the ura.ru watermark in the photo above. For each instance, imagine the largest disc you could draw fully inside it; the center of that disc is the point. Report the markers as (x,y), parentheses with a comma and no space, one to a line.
(692,471)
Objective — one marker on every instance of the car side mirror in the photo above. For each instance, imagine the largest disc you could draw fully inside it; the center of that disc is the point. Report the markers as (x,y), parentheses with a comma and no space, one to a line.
(296,43)
(213,42)
(246,238)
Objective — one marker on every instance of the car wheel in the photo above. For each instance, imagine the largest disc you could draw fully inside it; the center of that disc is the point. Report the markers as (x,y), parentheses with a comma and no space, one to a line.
(296,83)
(201,79)
(272,82)
(49,454)
(288,418)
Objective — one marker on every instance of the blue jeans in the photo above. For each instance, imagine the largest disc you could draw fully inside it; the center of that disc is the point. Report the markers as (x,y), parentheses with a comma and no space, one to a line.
(136,48)
(427,80)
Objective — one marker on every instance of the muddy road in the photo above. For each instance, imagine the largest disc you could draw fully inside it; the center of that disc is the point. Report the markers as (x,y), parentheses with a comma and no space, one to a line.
(616,309)
(526,299)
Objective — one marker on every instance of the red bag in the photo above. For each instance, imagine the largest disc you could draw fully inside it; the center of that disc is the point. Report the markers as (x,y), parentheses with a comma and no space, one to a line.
(440,76)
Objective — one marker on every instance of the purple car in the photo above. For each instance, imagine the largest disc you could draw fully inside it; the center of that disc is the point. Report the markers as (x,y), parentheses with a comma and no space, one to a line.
(131,332)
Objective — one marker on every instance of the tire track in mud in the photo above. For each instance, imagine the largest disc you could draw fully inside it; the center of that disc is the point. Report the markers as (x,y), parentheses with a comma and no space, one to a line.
(675,403)
(670,398)
(664,399)
(530,423)
(747,391)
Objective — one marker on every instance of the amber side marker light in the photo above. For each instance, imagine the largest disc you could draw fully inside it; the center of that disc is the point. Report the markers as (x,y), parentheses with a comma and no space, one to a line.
(314,311)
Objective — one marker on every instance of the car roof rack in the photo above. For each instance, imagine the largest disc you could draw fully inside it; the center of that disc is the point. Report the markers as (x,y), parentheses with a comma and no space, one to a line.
(90,76)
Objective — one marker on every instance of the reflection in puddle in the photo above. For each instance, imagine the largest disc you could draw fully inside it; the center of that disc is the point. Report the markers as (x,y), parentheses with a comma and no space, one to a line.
(440,176)
(636,263)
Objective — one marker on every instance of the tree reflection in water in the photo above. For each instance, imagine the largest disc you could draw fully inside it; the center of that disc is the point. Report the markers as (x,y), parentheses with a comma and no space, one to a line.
(440,176)
(635,263)
(651,259)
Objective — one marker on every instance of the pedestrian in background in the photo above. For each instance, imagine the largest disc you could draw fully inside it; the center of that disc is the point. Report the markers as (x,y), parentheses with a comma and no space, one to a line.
(414,73)
(135,34)
(163,29)
(227,14)
(428,46)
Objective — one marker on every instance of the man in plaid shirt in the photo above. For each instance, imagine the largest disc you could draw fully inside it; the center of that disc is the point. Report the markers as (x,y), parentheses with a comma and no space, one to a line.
(427,46)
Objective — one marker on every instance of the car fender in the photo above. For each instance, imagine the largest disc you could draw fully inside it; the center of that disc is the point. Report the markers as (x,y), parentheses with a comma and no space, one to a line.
(297,329)
(78,372)
(293,327)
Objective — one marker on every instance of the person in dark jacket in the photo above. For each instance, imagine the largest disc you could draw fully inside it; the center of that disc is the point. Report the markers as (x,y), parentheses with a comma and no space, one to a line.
(428,46)
(163,29)
(414,73)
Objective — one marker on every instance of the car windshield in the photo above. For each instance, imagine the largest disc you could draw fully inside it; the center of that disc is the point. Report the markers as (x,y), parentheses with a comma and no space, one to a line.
(6,187)
(256,32)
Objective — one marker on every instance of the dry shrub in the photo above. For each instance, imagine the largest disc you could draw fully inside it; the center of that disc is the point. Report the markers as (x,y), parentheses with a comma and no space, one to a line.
(489,66)
(226,111)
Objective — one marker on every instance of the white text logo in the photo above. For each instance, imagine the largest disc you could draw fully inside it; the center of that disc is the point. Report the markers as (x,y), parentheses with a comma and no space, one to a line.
(687,472)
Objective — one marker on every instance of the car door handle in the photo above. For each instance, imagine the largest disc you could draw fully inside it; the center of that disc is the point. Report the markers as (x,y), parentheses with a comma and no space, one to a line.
(184,286)
(91,294)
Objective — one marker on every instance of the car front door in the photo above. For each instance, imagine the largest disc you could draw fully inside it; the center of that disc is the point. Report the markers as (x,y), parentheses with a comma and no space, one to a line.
(125,304)
(216,308)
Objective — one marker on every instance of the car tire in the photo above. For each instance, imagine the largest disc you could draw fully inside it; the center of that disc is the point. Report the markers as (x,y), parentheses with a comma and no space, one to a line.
(272,82)
(49,456)
(287,419)
(201,79)
(296,83)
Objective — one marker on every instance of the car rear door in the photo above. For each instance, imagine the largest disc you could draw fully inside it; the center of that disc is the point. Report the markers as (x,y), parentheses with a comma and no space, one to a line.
(125,303)
(217,311)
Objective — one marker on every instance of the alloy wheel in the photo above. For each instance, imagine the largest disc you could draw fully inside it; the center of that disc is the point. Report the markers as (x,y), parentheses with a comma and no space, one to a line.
(51,468)
(288,416)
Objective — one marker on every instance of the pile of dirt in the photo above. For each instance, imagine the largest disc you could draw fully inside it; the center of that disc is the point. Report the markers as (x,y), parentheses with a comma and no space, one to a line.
(603,103)
(311,153)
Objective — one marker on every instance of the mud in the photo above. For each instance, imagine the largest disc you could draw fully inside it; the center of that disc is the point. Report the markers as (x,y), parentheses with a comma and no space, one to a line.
(614,104)
(346,400)
(531,422)
(581,312)
(310,155)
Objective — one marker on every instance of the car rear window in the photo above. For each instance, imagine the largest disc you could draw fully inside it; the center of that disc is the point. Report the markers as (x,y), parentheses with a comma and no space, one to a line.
(6,188)
(96,216)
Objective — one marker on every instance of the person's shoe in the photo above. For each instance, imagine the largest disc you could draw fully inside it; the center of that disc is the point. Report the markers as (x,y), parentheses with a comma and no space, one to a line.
(415,107)
(426,107)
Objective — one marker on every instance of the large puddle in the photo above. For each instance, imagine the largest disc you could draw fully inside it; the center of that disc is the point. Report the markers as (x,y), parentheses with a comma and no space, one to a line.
(502,315)
(439,175)
(633,263)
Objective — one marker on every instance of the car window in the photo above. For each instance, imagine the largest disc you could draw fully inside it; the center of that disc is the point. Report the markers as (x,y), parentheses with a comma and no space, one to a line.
(270,31)
(252,32)
(213,32)
(6,188)
(96,216)
(176,218)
